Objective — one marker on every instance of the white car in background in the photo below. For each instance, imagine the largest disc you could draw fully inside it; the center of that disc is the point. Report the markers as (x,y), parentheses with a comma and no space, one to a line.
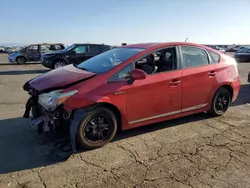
(222,50)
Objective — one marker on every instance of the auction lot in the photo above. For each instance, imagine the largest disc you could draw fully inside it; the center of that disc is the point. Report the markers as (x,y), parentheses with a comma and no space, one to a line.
(195,151)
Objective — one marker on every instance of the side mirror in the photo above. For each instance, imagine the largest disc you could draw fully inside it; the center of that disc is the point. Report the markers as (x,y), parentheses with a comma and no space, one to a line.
(137,74)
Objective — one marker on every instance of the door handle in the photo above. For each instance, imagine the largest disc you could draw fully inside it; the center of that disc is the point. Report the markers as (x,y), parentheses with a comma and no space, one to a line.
(212,73)
(174,82)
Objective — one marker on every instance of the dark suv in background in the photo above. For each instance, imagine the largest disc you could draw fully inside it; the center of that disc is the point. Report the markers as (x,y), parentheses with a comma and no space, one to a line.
(33,52)
(73,54)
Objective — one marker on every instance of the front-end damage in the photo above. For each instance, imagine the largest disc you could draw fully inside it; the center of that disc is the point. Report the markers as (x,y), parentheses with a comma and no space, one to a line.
(47,113)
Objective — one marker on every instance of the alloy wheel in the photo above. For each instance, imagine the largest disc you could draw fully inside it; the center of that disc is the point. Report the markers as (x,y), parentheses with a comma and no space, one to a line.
(59,64)
(222,102)
(97,129)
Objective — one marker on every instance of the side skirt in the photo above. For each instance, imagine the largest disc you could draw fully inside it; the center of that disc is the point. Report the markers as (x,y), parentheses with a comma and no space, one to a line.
(169,113)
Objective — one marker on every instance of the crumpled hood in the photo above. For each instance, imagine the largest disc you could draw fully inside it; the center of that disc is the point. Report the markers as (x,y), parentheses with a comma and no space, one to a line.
(59,78)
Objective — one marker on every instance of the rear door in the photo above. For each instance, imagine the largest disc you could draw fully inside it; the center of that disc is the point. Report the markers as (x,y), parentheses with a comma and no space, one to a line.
(93,50)
(198,78)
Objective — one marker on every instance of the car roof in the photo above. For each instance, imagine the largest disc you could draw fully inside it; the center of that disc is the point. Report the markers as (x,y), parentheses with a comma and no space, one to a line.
(160,44)
(91,44)
(46,44)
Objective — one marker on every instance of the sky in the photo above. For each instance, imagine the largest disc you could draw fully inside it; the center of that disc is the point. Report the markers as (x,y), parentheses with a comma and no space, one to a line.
(131,21)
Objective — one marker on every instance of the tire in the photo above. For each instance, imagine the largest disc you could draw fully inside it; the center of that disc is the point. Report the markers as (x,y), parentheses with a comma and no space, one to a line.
(85,128)
(59,63)
(221,102)
(21,60)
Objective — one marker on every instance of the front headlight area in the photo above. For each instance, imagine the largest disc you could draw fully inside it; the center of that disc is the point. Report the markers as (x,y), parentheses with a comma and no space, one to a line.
(50,101)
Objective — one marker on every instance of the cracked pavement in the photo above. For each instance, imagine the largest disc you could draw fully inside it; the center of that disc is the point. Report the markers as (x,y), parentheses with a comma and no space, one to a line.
(191,152)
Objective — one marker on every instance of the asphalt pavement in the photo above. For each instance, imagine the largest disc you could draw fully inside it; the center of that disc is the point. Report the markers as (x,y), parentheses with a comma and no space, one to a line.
(192,152)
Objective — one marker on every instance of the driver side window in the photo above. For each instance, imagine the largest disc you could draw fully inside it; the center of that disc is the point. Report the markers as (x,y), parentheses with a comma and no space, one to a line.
(162,60)
(123,74)
(80,49)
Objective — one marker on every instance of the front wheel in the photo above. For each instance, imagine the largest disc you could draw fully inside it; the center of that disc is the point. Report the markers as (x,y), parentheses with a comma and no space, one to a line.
(58,64)
(20,60)
(221,102)
(97,128)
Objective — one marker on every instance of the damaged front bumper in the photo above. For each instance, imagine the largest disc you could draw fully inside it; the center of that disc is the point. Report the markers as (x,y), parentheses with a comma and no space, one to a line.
(47,114)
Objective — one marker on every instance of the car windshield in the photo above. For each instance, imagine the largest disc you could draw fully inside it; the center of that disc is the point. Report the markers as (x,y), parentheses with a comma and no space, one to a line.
(108,60)
(69,47)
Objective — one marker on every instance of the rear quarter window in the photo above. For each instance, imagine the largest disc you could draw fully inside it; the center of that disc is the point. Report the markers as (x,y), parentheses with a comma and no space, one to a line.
(215,58)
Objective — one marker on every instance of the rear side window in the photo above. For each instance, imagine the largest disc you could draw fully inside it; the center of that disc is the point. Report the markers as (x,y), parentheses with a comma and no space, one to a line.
(80,49)
(194,57)
(105,48)
(214,57)
(94,49)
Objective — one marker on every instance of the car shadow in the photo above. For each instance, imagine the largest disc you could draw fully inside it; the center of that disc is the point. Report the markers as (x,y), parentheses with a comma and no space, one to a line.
(19,72)
(244,95)
(14,64)
(22,148)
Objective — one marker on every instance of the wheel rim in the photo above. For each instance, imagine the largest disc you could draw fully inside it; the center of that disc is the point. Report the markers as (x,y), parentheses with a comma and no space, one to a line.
(97,129)
(59,64)
(222,102)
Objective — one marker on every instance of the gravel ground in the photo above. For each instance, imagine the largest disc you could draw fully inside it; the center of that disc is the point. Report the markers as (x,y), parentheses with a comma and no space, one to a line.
(195,151)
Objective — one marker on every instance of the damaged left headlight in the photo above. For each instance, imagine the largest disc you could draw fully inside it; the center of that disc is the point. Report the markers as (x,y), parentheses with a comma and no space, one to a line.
(50,101)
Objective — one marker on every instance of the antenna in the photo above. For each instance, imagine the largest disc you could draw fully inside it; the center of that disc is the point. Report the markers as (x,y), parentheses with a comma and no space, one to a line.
(186,39)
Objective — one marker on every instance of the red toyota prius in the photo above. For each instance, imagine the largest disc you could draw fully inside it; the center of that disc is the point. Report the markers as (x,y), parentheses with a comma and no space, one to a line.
(132,86)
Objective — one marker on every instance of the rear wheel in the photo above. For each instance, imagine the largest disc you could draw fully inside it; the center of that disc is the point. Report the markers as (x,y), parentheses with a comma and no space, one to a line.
(21,60)
(97,128)
(221,102)
(58,64)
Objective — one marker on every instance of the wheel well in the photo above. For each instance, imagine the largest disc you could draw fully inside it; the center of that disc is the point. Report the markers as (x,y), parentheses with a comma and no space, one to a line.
(116,111)
(21,56)
(230,89)
(55,60)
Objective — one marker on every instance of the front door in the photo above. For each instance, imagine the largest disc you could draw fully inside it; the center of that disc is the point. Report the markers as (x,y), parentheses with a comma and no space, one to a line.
(198,78)
(159,95)
(33,53)
(78,54)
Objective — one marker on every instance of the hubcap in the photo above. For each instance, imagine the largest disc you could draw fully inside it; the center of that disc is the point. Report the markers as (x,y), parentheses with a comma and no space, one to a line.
(59,64)
(222,103)
(97,129)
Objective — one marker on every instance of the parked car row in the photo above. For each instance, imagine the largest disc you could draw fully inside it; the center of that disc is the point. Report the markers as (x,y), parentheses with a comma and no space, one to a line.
(56,55)
(74,54)
(243,55)
(33,52)
(129,86)
(217,48)
(7,49)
